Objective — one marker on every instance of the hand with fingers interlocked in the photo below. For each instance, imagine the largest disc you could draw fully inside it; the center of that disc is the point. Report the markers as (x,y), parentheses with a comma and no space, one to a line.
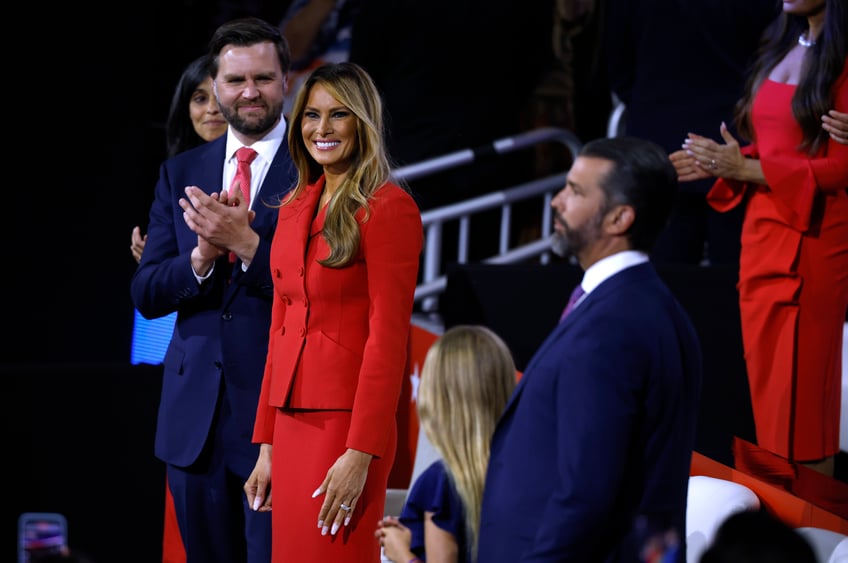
(395,539)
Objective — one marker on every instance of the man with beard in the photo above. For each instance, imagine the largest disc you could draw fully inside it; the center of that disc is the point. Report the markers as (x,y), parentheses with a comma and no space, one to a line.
(207,258)
(590,459)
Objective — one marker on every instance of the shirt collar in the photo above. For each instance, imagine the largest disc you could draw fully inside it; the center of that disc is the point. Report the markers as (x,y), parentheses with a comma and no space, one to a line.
(266,146)
(609,266)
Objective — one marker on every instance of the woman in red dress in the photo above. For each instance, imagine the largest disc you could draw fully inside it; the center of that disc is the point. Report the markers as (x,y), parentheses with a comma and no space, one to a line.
(344,260)
(793,276)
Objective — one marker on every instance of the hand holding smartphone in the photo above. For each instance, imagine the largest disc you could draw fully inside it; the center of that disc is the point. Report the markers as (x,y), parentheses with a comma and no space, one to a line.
(40,534)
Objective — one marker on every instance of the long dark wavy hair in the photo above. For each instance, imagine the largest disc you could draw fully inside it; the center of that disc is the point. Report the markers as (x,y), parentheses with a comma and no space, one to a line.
(180,134)
(823,63)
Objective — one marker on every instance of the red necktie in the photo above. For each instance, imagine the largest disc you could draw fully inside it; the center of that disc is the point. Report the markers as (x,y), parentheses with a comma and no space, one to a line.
(572,301)
(245,156)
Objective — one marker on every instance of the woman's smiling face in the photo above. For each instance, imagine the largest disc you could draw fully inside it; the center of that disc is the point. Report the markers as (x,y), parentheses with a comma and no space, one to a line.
(329,130)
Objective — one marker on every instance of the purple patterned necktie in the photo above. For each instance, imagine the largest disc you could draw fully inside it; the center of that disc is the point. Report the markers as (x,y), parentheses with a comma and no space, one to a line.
(572,301)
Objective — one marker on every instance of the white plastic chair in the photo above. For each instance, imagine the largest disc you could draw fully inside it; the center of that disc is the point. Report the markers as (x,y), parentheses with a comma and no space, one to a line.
(829,546)
(709,502)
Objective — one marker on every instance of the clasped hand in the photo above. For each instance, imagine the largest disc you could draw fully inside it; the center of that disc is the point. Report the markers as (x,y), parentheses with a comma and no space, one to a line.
(220,221)
(395,539)
(701,157)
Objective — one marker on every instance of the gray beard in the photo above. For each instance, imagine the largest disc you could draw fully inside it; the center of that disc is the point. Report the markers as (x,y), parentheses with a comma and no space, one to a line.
(560,245)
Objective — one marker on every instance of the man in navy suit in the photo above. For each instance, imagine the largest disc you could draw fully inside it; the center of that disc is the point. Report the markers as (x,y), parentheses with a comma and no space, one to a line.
(207,257)
(590,459)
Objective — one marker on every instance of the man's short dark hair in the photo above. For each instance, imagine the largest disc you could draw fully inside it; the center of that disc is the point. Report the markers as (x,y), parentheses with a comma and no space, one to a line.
(245,32)
(642,177)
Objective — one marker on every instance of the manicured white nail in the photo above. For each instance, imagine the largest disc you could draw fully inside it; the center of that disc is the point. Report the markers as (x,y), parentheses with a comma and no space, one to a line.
(317,492)
(324,531)
(347,521)
(256,503)
(320,523)
(335,529)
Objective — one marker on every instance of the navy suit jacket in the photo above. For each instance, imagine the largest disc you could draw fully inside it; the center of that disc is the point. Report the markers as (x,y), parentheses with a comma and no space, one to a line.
(591,455)
(220,338)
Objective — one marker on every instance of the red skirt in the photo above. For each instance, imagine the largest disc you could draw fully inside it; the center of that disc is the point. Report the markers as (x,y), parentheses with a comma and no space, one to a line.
(306,444)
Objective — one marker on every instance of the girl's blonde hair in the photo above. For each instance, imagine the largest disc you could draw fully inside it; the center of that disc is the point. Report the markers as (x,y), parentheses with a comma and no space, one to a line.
(467,379)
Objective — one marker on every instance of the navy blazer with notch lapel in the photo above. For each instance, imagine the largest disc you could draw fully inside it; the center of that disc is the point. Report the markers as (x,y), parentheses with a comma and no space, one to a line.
(222,325)
(591,455)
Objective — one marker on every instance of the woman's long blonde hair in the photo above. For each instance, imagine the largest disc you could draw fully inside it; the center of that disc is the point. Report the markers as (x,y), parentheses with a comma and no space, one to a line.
(370,169)
(467,379)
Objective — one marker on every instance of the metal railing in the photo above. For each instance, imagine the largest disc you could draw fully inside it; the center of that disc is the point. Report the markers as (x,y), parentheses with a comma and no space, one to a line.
(433,279)
(617,120)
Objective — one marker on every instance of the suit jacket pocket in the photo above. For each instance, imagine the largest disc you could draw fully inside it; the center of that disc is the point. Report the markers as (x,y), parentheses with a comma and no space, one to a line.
(327,375)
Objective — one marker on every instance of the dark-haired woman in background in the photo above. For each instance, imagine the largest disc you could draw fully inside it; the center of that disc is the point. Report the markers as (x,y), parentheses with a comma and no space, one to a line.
(793,277)
(193,119)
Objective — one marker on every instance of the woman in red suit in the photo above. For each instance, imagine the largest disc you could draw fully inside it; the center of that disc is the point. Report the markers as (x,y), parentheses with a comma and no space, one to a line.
(793,277)
(344,261)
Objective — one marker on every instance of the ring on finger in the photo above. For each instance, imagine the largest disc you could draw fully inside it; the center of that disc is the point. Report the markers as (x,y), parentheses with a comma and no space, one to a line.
(345,507)
(713,164)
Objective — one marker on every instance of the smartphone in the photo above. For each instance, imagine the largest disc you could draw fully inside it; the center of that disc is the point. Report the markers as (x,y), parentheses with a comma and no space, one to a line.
(41,533)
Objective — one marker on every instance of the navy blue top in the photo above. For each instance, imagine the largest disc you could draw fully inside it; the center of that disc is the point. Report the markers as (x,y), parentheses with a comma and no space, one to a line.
(435,492)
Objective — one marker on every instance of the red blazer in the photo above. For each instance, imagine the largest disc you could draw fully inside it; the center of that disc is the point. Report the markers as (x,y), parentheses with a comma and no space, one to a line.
(338,337)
